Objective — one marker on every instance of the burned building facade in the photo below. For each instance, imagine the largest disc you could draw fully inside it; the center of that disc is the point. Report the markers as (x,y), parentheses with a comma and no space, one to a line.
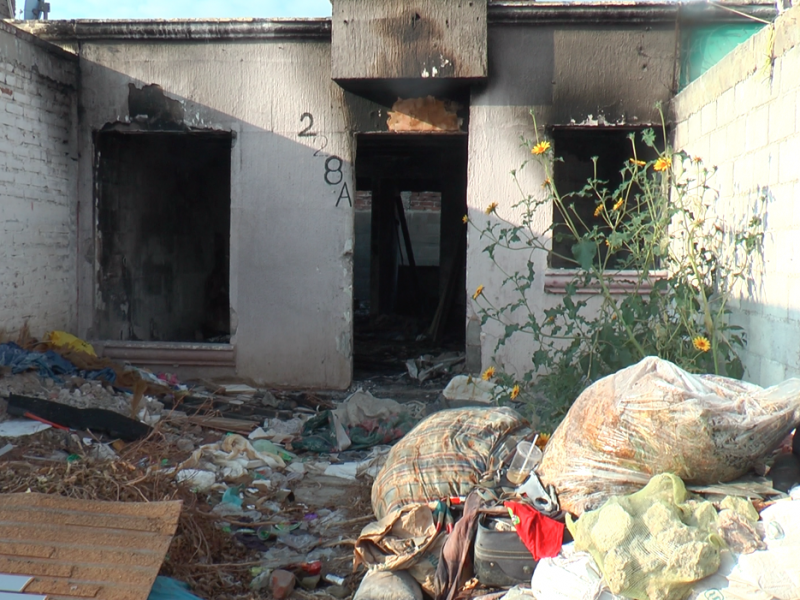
(234,192)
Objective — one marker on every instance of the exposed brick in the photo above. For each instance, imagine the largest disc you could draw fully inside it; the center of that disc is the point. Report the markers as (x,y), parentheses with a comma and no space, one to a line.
(38,184)
(423,201)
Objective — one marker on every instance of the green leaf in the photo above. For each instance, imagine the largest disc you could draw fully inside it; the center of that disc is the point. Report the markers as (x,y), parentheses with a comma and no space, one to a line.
(584,252)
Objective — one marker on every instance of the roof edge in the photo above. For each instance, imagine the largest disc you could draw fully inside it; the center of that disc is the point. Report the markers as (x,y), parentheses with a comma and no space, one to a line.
(179,29)
(501,12)
(532,12)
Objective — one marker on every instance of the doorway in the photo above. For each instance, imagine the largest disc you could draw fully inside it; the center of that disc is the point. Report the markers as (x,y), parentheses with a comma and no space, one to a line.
(410,250)
(163,218)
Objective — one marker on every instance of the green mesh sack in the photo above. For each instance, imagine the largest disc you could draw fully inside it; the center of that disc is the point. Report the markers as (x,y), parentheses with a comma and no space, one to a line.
(654,544)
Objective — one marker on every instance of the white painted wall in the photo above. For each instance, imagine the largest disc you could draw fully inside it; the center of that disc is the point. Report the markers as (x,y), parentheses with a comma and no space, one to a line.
(567,75)
(291,246)
(38,191)
(743,116)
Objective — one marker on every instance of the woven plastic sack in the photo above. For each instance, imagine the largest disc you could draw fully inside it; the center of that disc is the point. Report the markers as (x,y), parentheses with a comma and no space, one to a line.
(654,417)
(447,454)
(654,544)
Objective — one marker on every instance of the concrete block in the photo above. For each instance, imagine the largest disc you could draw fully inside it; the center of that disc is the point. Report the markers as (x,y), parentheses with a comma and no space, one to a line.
(681,134)
(726,109)
(735,137)
(708,118)
(789,65)
(789,159)
(743,175)
(772,372)
(757,128)
(718,145)
(782,116)
(695,125)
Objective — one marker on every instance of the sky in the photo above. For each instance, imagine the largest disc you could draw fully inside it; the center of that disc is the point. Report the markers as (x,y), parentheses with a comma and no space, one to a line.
(182,9)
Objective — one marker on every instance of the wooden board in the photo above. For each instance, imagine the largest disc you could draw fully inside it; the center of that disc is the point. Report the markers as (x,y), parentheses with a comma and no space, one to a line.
(79,549)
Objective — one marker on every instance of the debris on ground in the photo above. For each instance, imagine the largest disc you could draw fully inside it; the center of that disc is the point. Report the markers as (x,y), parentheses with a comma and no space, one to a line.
(672,485)
(429,366)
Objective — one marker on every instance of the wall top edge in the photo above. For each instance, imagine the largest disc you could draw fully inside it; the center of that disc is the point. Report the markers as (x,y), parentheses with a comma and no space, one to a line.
(500,12)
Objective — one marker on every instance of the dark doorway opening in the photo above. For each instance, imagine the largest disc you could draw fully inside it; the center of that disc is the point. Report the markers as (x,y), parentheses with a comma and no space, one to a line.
(410,250)
(163,217)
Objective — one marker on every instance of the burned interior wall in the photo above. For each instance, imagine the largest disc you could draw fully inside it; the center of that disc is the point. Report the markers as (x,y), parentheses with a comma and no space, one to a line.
(291,214)
(591,74)
(38,184)
(164,210)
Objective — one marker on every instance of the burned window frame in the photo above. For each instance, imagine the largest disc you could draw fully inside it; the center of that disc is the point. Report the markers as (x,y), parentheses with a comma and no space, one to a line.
(561,271)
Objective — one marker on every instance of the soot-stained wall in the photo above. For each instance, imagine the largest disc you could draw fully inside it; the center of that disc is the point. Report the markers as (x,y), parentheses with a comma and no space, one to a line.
(164,224)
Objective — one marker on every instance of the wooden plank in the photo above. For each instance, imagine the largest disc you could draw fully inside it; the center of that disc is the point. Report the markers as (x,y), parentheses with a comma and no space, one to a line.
(224,424)
(409,39)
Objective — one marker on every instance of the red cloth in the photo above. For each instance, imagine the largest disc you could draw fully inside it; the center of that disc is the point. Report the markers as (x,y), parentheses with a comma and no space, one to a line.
(541,535)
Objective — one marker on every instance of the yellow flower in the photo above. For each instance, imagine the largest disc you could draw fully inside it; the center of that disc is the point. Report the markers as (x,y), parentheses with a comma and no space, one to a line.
(542,441)
(515,392)
(663,163)
(540,148)
(618,204)
(701,343)
(546,182)
(697,159)
(478,292)
(638,163)
(465,219)
(599,210)
(488,374)
(491,208)
(608,243)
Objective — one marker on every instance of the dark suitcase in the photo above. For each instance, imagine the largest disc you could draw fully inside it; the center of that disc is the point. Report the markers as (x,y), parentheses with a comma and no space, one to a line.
(500,557)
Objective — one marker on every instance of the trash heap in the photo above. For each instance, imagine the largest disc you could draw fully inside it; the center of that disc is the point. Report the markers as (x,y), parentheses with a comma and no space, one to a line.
(658,485)
(273,486)
(652,488)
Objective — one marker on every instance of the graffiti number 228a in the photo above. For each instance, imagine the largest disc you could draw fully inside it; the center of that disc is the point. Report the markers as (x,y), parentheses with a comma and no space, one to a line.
(333,164)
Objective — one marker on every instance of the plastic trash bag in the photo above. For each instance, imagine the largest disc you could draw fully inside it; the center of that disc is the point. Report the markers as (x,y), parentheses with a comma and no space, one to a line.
(654,544)
(654,417)
(447,454)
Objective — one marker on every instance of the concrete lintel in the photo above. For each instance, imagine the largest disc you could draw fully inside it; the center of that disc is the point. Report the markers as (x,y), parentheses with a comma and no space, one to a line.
(500,12)
(179,29)
(536,12)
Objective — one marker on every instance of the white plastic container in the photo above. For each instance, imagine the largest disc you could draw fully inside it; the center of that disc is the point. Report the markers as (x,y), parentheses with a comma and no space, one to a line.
(525,460)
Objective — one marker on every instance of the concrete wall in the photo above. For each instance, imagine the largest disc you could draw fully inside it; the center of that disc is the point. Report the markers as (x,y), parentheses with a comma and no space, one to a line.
(38,192)
(291,245)
(567,75)
(7,9)
(743,116)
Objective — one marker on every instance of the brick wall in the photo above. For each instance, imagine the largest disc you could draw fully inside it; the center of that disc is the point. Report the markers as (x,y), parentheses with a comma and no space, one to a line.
(743,116)
(38,184)
(417,201)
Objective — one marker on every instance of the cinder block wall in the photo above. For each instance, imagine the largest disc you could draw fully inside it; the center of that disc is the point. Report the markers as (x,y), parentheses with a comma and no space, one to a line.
(743,116)
(38,184)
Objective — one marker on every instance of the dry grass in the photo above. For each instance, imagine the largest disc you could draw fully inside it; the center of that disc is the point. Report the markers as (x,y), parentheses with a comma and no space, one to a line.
(201,554)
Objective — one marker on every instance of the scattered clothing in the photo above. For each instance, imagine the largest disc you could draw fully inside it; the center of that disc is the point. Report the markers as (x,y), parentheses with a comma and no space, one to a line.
(541,535)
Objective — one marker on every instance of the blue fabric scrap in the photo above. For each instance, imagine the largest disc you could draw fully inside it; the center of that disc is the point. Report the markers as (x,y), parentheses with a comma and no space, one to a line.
(47,364)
